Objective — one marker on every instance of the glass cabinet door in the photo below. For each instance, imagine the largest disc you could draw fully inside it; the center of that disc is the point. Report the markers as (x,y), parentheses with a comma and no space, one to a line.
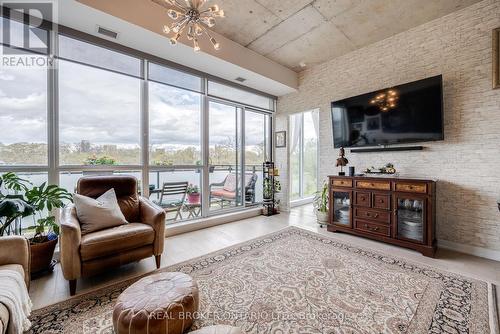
(410,216)
(342,207)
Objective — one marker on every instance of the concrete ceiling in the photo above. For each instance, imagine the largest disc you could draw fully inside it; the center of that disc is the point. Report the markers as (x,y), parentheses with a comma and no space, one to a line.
(292,32)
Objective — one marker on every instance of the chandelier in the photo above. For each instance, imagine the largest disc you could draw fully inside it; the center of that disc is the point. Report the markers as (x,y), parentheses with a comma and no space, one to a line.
(386,101)
(194,18)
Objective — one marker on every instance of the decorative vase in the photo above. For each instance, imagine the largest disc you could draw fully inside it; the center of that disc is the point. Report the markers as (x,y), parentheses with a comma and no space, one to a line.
(193,198)
(322,217)
(41,255)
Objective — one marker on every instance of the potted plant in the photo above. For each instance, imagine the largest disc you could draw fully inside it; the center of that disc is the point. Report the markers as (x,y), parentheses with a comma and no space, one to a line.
(320,204)
(12,207)
(193,194)
(33,200)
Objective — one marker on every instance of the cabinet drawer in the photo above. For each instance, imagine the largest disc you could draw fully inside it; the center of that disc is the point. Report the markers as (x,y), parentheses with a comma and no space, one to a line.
(362,199)
(365,226)
(342,183)
(378,185)
(381,201)
(380,217)
(420,188)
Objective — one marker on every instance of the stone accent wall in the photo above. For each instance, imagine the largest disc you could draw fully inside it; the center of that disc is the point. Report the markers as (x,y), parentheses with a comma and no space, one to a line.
(467,163)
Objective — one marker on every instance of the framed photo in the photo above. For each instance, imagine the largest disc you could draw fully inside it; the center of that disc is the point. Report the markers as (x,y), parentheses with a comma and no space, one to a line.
(496,58)
(280,139)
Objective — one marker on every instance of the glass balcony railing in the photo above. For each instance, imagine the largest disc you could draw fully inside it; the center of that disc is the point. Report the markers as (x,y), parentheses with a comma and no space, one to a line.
(181,206)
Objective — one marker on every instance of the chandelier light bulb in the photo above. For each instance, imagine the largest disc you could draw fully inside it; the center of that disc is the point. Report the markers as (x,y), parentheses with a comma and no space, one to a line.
(196,46)
(173,14)
(166,29)
(198,30)
(209,21)
(215,43)
(173,40)
(213,8)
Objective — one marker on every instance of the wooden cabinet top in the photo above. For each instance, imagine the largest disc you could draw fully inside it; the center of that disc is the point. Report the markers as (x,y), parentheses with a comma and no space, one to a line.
(383,177)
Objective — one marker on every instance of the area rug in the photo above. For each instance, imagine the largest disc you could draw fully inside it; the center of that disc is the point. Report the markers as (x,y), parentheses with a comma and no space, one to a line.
(296,281)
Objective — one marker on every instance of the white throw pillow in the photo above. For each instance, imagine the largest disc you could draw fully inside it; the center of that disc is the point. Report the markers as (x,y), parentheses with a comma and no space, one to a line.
(100,213)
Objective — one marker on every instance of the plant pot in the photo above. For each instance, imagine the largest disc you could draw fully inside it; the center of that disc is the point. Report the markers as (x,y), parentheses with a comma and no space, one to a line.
(193,198)
(322,217)
(41,255)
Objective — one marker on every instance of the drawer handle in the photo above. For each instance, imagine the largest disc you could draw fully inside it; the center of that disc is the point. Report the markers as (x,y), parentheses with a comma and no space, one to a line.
(371,228)
(369,215)
(362,198)
(410,187)
(381,201)
(372,184)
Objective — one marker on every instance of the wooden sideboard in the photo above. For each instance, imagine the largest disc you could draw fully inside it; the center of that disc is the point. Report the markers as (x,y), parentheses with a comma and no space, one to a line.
(399,211)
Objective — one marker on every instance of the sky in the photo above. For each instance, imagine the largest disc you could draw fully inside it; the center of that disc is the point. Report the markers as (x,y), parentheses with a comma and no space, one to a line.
(104,108)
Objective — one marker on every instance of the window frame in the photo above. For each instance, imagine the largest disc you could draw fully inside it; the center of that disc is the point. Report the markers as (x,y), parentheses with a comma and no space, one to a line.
(53,168)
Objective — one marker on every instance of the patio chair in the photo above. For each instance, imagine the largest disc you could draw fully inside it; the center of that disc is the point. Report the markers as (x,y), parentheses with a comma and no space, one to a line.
(225,191)
(172,197)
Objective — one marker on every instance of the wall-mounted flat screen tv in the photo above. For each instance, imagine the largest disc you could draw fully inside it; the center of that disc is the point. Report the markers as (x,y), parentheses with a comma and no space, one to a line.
(407,113)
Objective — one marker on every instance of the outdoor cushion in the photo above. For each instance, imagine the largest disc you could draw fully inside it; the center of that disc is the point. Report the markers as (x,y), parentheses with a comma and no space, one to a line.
(223,193)
(100,213)
(115,240)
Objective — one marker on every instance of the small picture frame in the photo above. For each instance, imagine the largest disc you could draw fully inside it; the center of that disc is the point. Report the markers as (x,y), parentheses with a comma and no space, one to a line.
(280,139)
(496,58)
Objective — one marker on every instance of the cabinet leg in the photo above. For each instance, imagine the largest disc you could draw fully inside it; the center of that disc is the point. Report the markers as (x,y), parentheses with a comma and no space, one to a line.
(72,287)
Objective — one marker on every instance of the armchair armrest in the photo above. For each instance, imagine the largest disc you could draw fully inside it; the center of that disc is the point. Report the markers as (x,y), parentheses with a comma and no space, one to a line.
(151,214)
(71,237)
(16,250)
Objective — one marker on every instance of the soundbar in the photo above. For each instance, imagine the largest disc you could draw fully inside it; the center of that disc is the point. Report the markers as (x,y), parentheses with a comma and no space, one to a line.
(386,149)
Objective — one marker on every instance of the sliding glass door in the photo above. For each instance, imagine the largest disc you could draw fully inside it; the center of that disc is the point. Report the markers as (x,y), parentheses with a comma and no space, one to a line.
(224,156)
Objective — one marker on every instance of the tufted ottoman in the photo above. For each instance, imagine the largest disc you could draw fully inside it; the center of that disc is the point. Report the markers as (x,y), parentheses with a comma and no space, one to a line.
(161,303)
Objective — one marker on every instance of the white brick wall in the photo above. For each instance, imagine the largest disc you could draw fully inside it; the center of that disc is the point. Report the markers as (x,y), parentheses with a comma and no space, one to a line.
(467,163)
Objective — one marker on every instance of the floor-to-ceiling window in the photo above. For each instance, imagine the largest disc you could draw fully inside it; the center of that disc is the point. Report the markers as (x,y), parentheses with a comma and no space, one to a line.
(105,110)
(303,155)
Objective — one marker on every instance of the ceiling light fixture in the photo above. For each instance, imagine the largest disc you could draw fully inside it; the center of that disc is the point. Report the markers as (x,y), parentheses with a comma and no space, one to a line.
(192,17)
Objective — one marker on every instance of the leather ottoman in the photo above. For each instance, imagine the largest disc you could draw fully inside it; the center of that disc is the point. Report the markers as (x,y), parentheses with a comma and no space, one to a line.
(161,303)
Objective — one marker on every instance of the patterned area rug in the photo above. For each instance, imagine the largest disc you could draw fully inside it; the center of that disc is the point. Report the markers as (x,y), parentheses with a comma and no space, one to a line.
(295,281)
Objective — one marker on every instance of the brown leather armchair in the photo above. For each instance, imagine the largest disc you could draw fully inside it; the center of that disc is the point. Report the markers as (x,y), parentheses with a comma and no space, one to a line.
(14,255)
(92,253)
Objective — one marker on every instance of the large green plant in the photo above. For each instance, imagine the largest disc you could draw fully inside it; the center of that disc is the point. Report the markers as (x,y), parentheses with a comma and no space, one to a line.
(13,207)
(320,201)
(31,200)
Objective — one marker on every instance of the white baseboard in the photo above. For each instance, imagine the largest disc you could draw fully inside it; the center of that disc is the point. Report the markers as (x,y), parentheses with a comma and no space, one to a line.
(472,250)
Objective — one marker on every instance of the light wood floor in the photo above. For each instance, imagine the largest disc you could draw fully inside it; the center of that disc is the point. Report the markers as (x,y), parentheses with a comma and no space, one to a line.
(53,288)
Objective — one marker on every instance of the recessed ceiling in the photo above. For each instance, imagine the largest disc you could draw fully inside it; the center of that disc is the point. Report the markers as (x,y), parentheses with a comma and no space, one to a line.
(294,32)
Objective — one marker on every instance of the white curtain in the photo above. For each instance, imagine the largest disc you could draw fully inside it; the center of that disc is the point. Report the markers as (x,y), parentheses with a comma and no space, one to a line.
(315,117)
(295,130)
